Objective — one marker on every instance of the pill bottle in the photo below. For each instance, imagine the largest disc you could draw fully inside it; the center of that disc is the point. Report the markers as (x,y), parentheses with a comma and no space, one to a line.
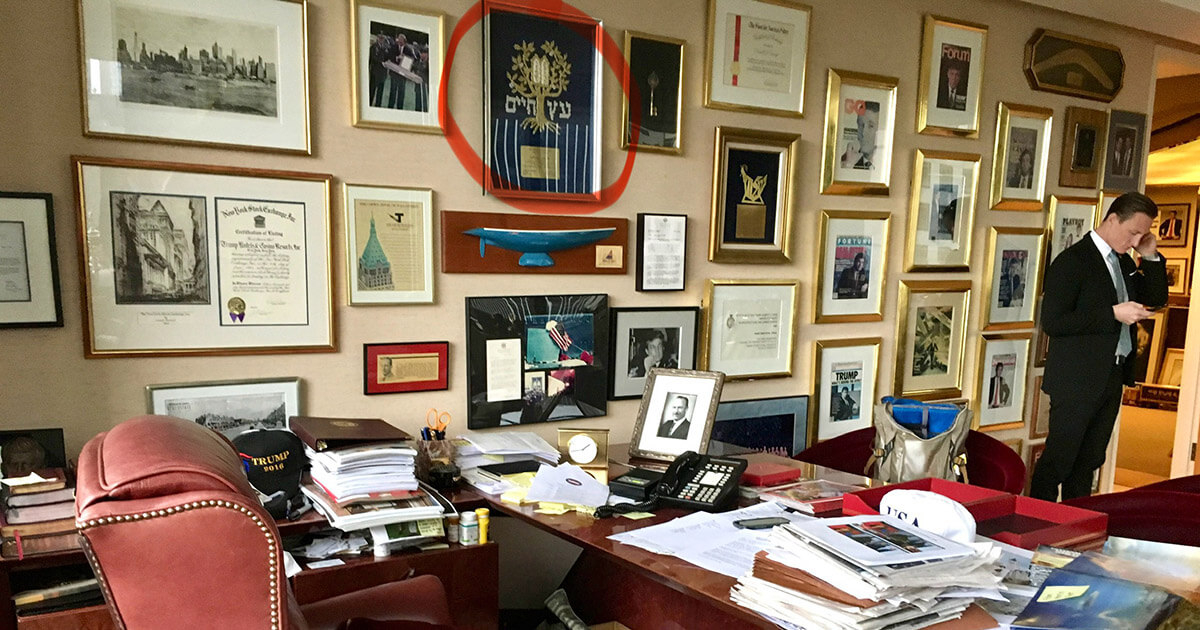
(452,528)
(468,529)
(482,515)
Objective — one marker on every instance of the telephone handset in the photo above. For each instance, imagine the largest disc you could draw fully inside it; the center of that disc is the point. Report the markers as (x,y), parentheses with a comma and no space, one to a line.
(701,482)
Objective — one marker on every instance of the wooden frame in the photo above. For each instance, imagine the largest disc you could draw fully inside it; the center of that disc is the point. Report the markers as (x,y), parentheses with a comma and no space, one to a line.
(1150,336)
(651,62)
(1170,373)
(748,76)
(1017,183)
(1067,64)
(226,406)
(1172,230)
(1014,257)
(642,333)
(941,211)
(384,93)
(1001,358)
(1177,276)
(30,296)
(959,49)
(1068,220)
(844,368)
(844,292)
(933,314)
(1084,134)
(383,224)
(736,311)
(754,226)
(392,368)
(653,437)
(846,168)
(661,252)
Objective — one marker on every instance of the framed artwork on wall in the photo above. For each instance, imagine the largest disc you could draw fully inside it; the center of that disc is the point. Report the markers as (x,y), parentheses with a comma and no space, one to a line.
(1067,64)
(846,375)
(941,213)
(676,414)
(141,81)
(749,327)
(661,251)
(238,262)
(1070,218)
(951,79)
(532,243)
(773,425)
(1084,134)
(1177,276)
(1174,225)
(1123,156)
(652,107)
(541,93)
(860,123)
(1013,278)
(396,74)
(229,407)
(757,53)
(649,337)
(853,265)
(931,335)
(1019,160)
(753,198)
(29,290)
(1039,411)
(392,368)
(389,244)
(1171,371)
(1000,387)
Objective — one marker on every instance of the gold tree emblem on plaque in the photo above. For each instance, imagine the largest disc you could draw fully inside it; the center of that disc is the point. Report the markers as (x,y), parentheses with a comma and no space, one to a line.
(539,77)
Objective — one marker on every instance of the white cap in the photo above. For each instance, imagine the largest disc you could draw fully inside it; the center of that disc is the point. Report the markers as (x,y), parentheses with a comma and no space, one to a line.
(931,512)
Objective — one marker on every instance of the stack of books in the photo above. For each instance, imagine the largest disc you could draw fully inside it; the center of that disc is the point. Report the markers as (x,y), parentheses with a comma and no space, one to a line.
(38,515)
(65,596)
(475,452)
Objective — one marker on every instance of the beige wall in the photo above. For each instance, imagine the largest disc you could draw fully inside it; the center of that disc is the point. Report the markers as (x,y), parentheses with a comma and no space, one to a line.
(45,381)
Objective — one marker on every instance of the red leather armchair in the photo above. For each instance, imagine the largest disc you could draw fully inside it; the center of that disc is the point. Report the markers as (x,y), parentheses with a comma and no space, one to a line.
(1159,515)
(177,538)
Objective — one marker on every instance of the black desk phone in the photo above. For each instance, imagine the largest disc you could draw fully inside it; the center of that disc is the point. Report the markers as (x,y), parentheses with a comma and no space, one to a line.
(692,481)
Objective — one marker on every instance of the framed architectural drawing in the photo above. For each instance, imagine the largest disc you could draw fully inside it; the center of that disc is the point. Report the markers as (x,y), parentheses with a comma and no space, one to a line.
(951,80)
(846,373)
(652,107)
(853,264)
(389,244)
(931,336)
(396,61)
(29,290)
(754,196)
(860,123)
(941,212)
(749,327)
(1019,160)
(757,55)
(1000,387)
(1013,277)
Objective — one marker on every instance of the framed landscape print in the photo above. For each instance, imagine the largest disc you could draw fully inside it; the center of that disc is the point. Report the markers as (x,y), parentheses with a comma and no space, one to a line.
(649,337)
(391,368)
(749,327)
(397,66)
(1000,387)
(1013,278)
(223,72)
(753,198)
(543,124)
(661,251)
(29,290)
(860,122)
(1123,157)
(652,107)
(853,265)
(229,407)
(1019,160)
(181,259)
(931,336)
(676,414)
(941,213)
(951,79)
(1039,411)
(846,373)
(1070,218)
(389,245)
(1174,225)
(772,425)
(756,56)
(1084,134)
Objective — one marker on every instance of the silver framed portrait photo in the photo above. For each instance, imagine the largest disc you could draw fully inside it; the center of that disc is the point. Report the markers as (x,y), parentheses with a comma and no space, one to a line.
(676,414)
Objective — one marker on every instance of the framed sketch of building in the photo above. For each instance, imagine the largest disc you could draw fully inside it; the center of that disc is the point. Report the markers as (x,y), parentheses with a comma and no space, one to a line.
(389,244)
(229,407)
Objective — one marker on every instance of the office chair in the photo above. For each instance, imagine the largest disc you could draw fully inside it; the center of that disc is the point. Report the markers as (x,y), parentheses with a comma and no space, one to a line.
(177,538)
(1158,515)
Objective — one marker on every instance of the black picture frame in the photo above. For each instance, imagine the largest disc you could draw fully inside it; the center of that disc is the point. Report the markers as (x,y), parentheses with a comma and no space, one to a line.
(653,105)
(633,331)
(581,322)
(661,252)
(778,425)
(1123,152)
(40,306)
(50,441)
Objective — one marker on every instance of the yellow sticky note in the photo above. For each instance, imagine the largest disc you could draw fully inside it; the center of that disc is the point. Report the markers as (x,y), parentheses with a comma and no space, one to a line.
(637,516)
(521,480)
(547,507)
(1059,593)
(516,496)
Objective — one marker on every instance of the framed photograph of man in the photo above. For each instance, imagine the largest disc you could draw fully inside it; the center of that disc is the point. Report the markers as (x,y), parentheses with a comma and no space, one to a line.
(29,289)
(652,107)
(853,251)
(223,72)
(754,196)
(229,407)
(1084,134)
(397,66)
(392,368)
(845,373)
(1177,275)
(1150,334)
(941,212)
(1039,411)
(1019,160)
(952,56)
(1070,218)
(771,425)
(757,52)
(1123,155)
(749,327)
(1000,387)
(860,123)
(931,336)
(648,337)
(1013,277)
(676,414)
(389,245)
(1174,225)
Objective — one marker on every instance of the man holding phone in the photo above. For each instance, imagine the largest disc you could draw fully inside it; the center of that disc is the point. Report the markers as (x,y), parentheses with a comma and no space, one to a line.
(1094,294)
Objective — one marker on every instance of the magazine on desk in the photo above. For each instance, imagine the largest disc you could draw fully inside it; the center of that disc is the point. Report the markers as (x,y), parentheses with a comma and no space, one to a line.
(813,496)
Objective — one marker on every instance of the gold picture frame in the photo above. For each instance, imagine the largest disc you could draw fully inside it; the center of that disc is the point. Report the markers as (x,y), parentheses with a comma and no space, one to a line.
(1068,220)
(1039,411)
(845,291)
(941,108)
(646,57)
(844,367)
(1001,376)
(727,324)
(846,167)
(753,85)
(1085,132)
(375,87)
(755,226)
(941,211)
(1014,257)
(1017,183)
(933,314)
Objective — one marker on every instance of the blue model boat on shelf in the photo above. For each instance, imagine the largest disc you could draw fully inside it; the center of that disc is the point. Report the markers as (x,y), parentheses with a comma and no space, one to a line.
(534,244)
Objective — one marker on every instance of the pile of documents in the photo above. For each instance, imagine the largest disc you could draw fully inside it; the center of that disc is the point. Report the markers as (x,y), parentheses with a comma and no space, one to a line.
(376,471)
(865,572)
(367,514)
(478,450)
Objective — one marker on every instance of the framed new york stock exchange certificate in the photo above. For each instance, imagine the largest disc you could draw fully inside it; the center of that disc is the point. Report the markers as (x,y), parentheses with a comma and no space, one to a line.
(182,259)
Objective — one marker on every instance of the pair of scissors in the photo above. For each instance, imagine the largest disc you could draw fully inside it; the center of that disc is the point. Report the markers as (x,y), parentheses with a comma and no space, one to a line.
(435,424)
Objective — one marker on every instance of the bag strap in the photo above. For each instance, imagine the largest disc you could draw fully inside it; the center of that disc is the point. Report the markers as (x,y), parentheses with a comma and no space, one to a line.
(878,454)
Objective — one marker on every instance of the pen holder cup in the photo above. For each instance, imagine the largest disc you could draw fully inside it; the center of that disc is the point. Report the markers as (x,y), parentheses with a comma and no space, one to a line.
(435,463)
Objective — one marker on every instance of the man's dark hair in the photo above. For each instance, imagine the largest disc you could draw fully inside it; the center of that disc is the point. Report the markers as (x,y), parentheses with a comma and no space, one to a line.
(1131,203)
(859,256)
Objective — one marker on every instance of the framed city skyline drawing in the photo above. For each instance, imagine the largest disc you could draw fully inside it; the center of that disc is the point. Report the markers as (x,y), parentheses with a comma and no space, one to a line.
(29,289)
(951,79)
(652,103)
(778,425)
(931,336)
(192,73)
(941,212)
(1020,157)
(1084,134)
(860,123)
(1013,277)
(853,264)
(753,197)
(749,327)
(389,244)
(1002,372)
(1068,220)
(846,375)
(396,75)
(756,56)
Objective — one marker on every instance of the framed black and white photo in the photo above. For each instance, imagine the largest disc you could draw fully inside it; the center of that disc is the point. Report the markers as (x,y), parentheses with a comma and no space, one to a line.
(389,244)
(1000,384)
(1177,275)
(396,75)
(749,327)
(1084,133)
(676,414)
(1020,157)
(229,407)
(1123,153)
(652,107)
(846,375)
(754,196)
(221,72)
(661,251)
(860,123)
(951,80)
(770,425)
(757,55)
(931,337)
(853,250)
(1012,280)
(1069,219)
(941,211)
(1174,225)
(649,337)
(183,259)
(29,290)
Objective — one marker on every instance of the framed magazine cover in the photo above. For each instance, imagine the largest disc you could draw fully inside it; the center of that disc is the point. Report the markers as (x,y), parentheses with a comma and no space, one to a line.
(396,60)
(860,123)
(1000,385)
(648,337)
(931,333)
(229,407)
(1069,219)
(753,196)
(846,375)
(652,107)
(749,327)
(951,79)
(1013,277)
(853,250)
(941,212)
(757,55)
(1020,157)
(29,289)
(389,244)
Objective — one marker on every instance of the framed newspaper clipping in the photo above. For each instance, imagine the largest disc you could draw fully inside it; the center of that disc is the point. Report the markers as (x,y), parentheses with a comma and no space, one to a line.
(846,374)
(951,81)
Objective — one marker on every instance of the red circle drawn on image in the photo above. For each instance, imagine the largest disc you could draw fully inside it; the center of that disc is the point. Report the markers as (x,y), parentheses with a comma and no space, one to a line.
(472,161)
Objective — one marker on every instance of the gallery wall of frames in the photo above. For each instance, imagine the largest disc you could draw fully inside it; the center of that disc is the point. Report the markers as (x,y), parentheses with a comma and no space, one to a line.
(511,211)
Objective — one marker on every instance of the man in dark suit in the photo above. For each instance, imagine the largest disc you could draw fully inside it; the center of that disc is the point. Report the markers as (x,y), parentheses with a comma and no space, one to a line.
(1094,294)
(676,423)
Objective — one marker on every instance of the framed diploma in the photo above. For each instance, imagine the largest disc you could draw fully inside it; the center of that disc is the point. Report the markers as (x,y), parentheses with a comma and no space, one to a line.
(181,259)
(648,337)
(757,54)
(1069,219)
(853,250)
(860,123)
(941,212)
(753,197)
(931,332)
(29,291)
(389,245)
(652,109)
(661,251)
(542,102)
(390,368)
(1013,278)
(749,327)
(396,66)
(1019,160)
(1000,384)
(951,81)
(846,374)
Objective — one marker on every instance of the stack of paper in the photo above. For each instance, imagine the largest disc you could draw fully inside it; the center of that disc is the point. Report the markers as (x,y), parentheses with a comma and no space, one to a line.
(477,450)
(377,471)
(367,514)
